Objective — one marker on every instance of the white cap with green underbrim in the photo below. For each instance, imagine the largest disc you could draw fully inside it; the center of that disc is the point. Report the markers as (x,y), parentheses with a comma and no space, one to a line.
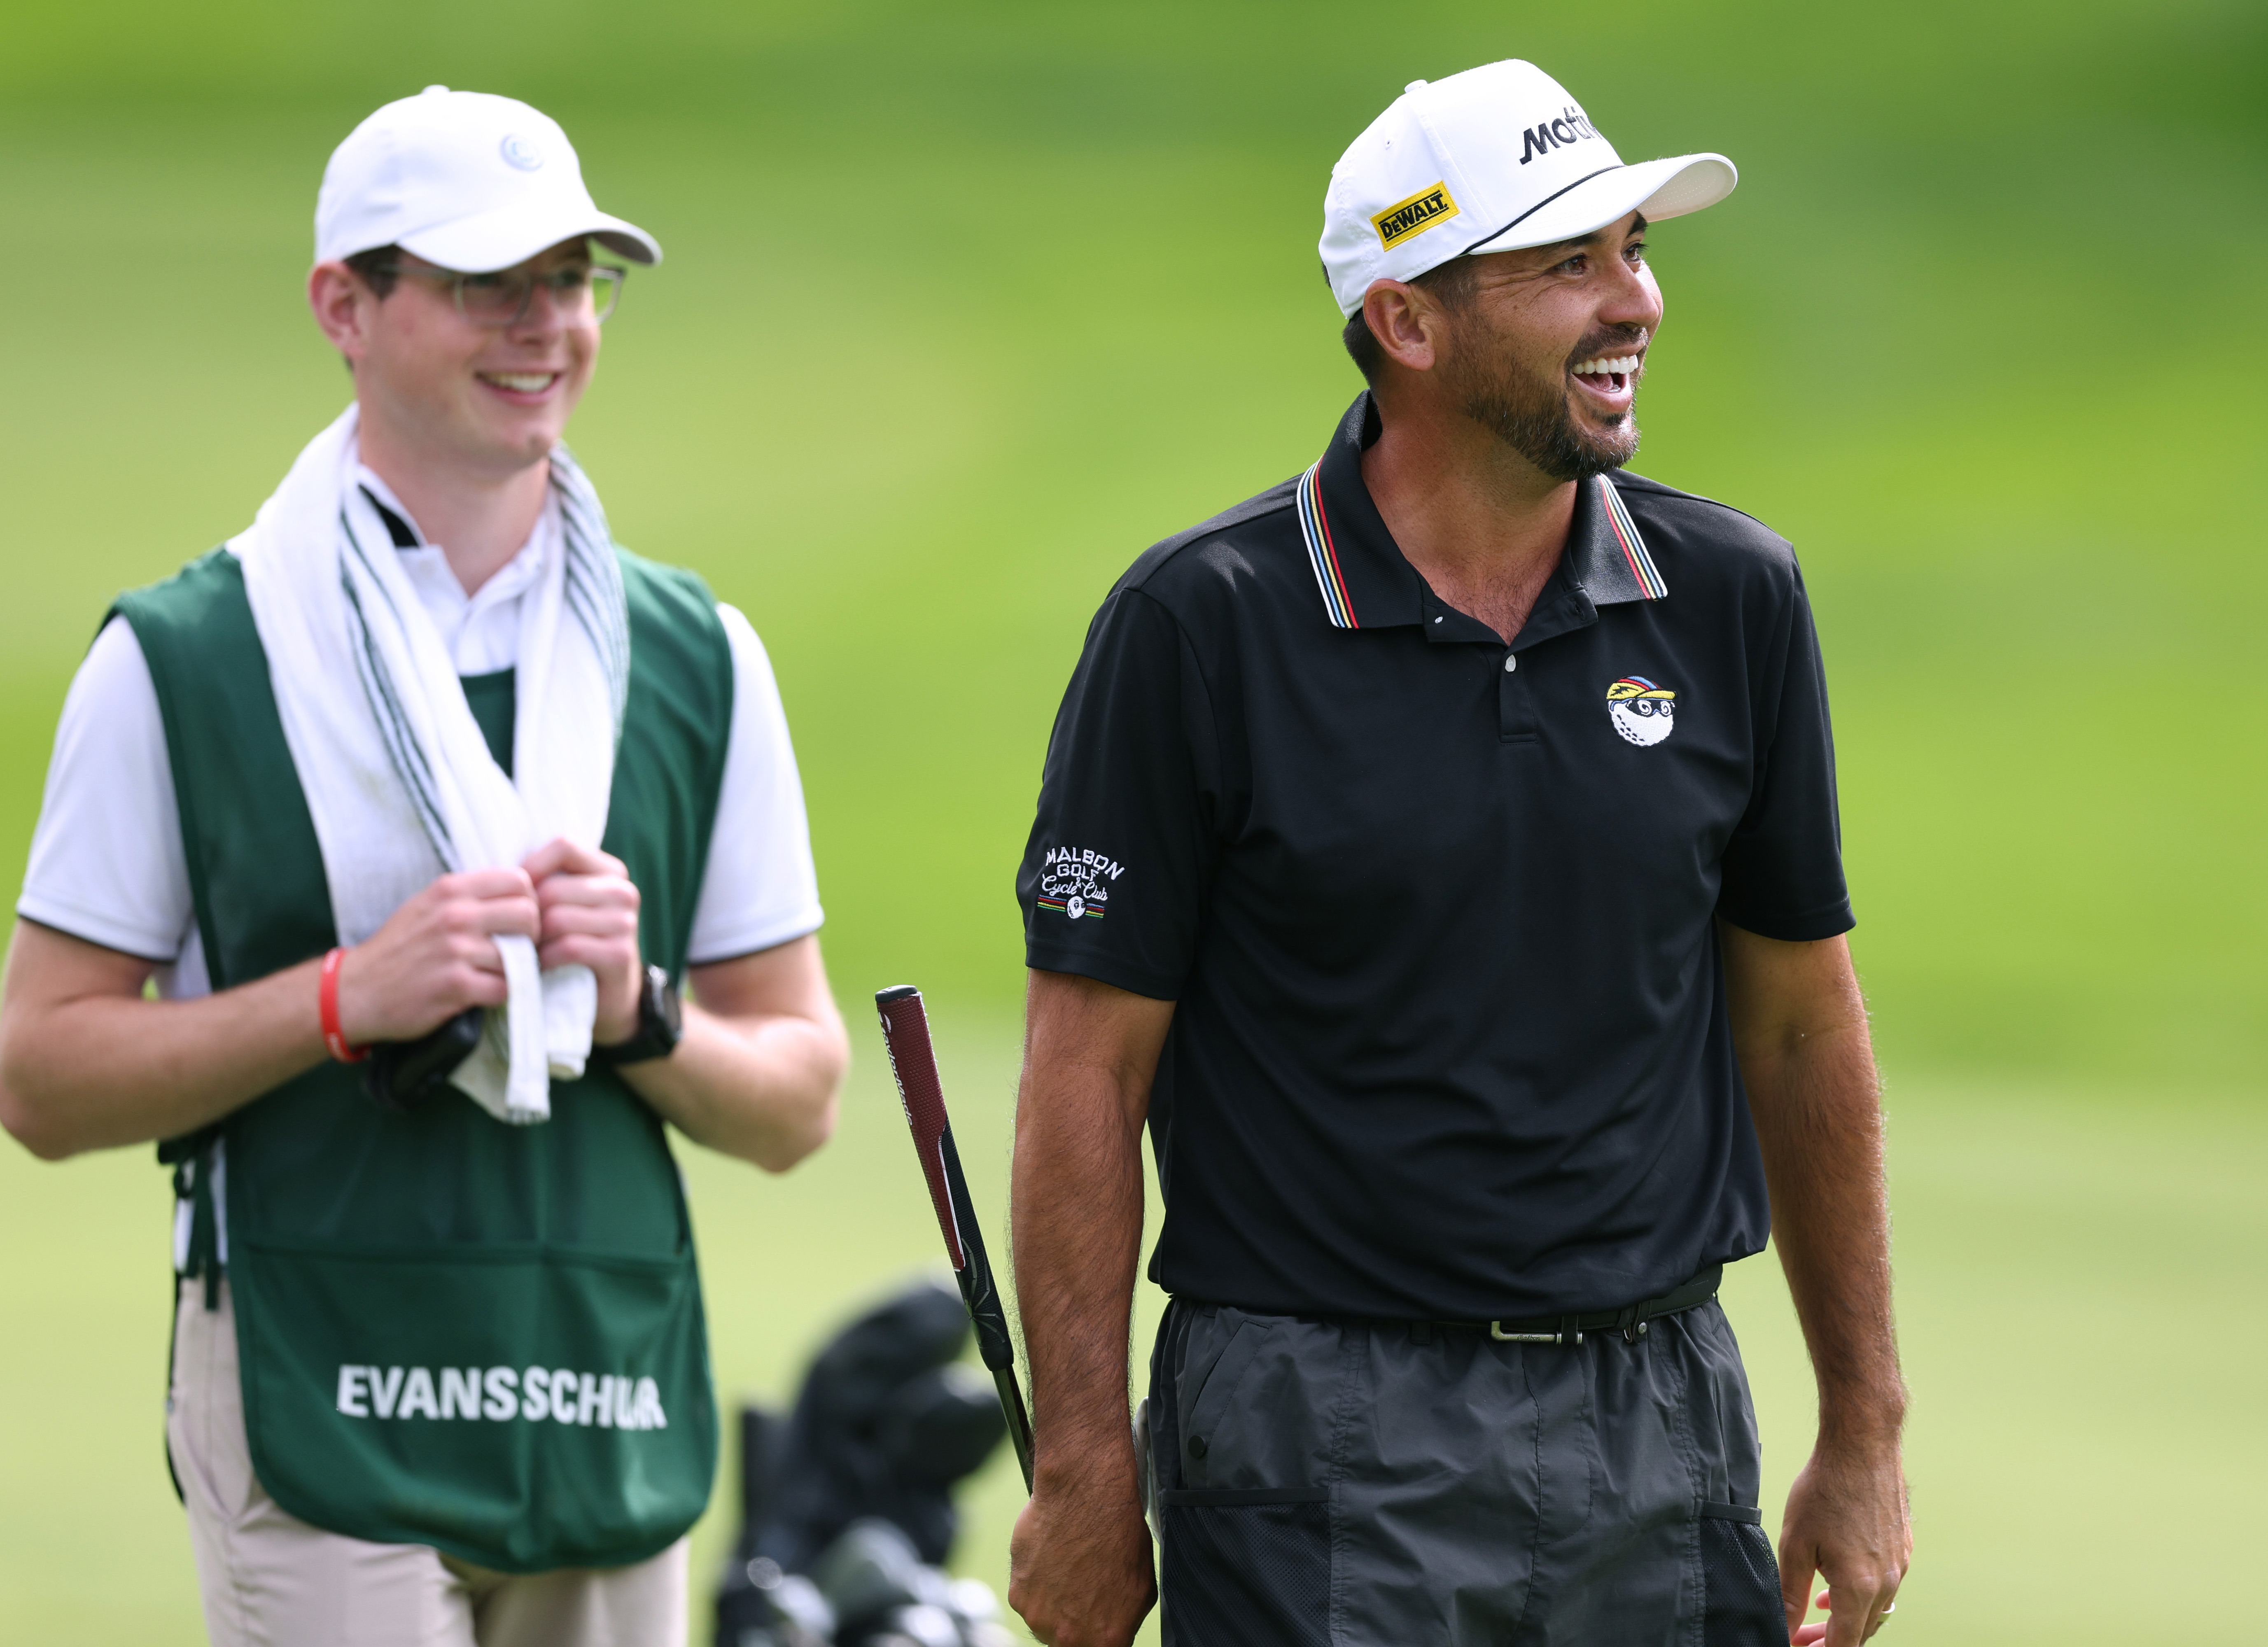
(466,180)
(1489,160)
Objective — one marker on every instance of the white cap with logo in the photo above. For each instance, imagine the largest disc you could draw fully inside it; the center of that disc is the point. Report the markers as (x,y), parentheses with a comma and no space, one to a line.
(466,181)
(1489,160)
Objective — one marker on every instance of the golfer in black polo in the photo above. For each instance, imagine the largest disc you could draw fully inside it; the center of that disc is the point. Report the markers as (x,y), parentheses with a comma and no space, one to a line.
(1439,852)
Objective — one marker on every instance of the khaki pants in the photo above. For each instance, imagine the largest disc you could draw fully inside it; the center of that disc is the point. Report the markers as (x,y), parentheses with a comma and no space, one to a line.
(271,1580)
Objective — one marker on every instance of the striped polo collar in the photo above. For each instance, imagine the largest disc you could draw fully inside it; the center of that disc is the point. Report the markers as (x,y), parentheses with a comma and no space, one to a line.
(1367,583)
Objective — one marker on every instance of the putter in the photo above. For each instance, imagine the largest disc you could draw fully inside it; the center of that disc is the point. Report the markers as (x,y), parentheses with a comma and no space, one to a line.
(913,1062)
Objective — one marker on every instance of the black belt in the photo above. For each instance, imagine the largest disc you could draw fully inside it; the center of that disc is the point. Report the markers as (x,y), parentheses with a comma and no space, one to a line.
(1630,1320)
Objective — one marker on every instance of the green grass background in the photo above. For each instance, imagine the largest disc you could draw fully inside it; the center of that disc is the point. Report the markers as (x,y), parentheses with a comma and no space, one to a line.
(965,305)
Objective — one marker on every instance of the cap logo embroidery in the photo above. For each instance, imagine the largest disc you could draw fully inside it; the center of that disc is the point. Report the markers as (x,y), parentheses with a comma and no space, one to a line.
(1570,127)
(1075,881)
(1642,713)
(1414,216)
(518,151)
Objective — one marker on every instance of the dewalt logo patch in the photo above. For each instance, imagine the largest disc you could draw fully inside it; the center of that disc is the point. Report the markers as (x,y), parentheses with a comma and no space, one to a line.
(1414,216)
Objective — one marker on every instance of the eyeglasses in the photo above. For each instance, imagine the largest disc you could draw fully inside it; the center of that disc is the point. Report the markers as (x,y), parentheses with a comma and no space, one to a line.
(581,295)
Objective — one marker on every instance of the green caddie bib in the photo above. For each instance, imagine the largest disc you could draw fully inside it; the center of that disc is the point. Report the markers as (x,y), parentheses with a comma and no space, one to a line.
(454,1332)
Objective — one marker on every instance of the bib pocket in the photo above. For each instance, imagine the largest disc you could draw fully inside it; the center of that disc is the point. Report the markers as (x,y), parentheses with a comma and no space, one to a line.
(519,1407)
(1740,1579)
(1246,1568)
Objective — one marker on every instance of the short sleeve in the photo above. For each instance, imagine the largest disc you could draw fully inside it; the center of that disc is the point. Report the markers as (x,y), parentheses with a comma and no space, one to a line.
(1783,869)
(107,865)
(759,889)
(1115,876)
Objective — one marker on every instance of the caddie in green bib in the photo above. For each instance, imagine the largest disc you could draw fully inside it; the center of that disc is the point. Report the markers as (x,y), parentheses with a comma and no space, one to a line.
(538,1280)
(442,798)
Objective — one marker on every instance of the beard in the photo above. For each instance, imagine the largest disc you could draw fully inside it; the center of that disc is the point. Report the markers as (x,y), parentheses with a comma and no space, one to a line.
(1531,414)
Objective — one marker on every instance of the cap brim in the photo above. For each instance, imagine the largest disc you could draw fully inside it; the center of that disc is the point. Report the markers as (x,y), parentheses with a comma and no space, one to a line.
(1655,188)
(499,240)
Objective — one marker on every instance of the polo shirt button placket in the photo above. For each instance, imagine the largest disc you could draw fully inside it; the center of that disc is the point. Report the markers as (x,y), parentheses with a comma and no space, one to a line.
(1515,703)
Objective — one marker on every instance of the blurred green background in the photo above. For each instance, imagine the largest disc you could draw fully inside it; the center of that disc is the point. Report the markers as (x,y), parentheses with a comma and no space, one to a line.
(965,305)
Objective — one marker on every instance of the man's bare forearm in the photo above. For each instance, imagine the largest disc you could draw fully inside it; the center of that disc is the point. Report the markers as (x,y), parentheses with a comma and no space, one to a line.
(1823,1146)
(1079,1562)
(762,1058)
(88,1064)
(1808,1062)
(1799,1029)
(761,1088)
(1077,1210)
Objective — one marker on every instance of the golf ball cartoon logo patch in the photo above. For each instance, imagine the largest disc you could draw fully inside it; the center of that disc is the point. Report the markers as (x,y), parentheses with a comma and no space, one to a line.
(1075,881)
(1642,713)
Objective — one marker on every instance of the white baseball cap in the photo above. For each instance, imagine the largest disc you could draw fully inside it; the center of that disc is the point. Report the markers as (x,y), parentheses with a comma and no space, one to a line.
(463,180)
(1489,160)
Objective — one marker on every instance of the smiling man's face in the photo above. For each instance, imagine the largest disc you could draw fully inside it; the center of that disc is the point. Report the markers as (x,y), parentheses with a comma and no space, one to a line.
(483,396)
(1546,346)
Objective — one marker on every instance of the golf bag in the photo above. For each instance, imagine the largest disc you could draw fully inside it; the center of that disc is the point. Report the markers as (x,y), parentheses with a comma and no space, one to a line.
(846,1505)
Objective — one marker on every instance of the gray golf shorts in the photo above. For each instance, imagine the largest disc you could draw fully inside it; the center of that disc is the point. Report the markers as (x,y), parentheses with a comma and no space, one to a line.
(1337,1484)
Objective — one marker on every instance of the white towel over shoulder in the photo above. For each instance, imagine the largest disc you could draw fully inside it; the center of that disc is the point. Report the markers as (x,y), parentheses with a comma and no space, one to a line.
(397,775)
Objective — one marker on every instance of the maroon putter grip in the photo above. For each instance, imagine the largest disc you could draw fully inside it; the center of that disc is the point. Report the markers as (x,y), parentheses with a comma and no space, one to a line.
(913,1061)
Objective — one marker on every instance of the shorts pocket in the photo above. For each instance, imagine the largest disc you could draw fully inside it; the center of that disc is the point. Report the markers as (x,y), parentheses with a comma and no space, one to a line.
(1739,1580)
(1247,1567)
(1210,1399)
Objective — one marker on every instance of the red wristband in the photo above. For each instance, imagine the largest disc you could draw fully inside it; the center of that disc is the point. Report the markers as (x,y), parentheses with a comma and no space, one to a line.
(326,997)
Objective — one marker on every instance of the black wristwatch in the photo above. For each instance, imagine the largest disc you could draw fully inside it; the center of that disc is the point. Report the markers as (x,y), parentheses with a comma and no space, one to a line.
(661,1021)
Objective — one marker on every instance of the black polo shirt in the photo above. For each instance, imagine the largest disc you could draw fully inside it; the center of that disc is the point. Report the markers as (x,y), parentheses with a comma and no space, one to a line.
(1439,913)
